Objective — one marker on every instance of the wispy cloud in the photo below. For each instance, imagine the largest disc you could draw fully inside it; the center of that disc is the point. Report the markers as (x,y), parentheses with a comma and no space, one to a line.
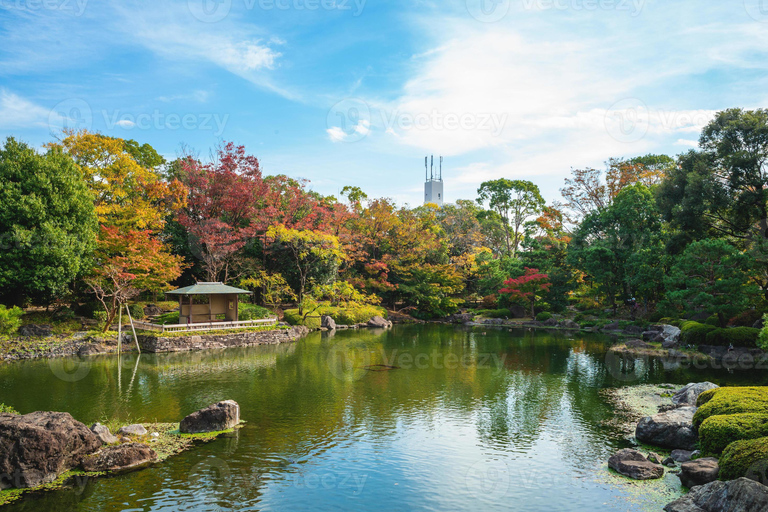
(17,112)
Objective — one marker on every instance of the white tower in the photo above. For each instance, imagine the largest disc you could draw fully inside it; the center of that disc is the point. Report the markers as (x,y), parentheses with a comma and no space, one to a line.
(433,187)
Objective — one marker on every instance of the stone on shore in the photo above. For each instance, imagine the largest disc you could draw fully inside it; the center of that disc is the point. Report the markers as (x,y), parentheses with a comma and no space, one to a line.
(742,495)
(104,434)
(681,455)
(36,448)
(690,393)
(379,322)
(633,464)
(326,322)
(699,472)
(214,418)
(122,457)
(132,430)
(42,331)
(670,429)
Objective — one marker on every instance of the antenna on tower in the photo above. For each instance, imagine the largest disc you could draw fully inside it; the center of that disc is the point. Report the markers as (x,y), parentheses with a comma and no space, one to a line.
(432,168)
(426,168)
(441,168)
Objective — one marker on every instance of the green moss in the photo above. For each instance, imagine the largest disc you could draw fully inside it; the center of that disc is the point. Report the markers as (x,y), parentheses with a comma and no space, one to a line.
(717,432)
(706,397)
(694,333)
(733,401)
(738,336)
(742,458)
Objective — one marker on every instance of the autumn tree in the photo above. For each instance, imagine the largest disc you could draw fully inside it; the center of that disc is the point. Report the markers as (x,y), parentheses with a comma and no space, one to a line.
(307,251)
(515,201)
(274,288)
(127,263)
(529,287)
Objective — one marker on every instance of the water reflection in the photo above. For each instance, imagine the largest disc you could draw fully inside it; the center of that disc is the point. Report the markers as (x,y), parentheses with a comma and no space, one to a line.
(464,419)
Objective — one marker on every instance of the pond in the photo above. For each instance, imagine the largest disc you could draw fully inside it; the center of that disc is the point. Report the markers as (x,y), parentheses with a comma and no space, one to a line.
(425,417)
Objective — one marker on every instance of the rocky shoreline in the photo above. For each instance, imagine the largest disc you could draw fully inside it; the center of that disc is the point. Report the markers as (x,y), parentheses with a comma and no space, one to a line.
(48,450)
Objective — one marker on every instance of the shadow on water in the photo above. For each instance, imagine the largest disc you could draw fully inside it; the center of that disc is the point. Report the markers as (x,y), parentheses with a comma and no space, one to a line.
(460,418)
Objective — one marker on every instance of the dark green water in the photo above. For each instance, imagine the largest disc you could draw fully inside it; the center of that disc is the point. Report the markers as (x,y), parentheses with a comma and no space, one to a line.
(473,419)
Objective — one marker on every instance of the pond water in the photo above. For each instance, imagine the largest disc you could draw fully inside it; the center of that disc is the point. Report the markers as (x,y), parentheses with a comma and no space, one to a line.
(467,419)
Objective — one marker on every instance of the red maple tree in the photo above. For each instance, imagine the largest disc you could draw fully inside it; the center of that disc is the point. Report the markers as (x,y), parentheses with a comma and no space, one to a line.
(528,287)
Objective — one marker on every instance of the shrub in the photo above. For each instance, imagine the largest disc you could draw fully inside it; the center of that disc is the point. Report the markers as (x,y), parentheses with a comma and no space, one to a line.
(10,319)
(656,316)
(735,400)
(490,302)
(717,432)
(694,333)
(101,317)
(252,312)
(741,458)
(137,311)
(713,320)
(494,313)
(738,336)
(342,316)
(171,318)
(706,396)
(746,319)
(7,408)
(543,316)
(762,338)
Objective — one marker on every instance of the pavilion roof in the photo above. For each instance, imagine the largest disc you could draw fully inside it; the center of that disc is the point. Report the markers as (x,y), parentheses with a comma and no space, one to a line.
(208,289)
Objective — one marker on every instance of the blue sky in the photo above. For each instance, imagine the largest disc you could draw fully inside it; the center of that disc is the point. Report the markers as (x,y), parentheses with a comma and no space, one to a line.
(357,92)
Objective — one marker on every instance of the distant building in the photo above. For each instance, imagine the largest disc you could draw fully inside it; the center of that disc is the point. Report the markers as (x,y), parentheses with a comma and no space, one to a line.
(433,187)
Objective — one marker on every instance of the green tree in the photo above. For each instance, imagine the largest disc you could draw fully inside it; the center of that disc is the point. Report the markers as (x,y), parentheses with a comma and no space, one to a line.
(47,223)
(515,201)
(711,276)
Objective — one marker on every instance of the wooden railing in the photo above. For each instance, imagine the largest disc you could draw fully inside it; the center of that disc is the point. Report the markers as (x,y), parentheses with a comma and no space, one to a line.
(203,326)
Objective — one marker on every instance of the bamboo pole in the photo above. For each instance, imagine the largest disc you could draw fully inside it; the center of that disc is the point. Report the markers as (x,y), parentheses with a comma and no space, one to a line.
(135,338)
(119,329)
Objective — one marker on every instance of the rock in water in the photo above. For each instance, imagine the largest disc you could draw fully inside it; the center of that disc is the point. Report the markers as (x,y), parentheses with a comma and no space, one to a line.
(742,495)
(379,322)
(36,448)
(120,458)
(104,434)
(132,430)
(328,323)
(690,393)
(681,455)
(699,472)
(221,416)
(671,429)
(633,464)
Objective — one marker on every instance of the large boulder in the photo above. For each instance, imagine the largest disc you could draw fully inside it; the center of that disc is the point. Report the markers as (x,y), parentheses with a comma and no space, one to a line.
(122,457)
(29,330)
(681,455)
(221,416)
(152,310)
(36,448)
(569,324)
(699,472)
(326,322)
(690,393)
(104,434)
(670,429)
(635,465)
(517,312)
(669,333)
(379,322)
(742,495)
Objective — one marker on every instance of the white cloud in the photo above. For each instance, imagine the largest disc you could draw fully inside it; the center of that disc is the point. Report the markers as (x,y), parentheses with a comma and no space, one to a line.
(125,123)
(17,112)
(198,96)
(336,134)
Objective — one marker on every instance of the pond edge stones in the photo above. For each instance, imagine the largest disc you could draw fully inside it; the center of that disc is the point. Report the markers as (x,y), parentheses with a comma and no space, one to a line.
(214,418)
(635,465)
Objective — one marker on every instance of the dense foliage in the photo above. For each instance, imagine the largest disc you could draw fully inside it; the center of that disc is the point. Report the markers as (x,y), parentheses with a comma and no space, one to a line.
(648,237)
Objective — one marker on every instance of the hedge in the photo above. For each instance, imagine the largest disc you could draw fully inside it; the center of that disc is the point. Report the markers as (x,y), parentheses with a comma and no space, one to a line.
(744,458)
(694,333)
(738,336)
(543,317)
(717,432)
(342,316)
(493,313)
(247,311)
(736,400)
(706,396)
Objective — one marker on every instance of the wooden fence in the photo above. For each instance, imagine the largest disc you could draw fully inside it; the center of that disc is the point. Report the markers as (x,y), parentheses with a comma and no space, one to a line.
(203,326)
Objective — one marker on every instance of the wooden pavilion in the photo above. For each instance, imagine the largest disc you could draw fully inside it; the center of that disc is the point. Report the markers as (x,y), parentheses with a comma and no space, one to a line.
(221,304)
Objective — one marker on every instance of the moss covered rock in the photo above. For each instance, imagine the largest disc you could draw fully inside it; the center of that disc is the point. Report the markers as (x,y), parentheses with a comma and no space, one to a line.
(747,458)
(717,432)
(732,401)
